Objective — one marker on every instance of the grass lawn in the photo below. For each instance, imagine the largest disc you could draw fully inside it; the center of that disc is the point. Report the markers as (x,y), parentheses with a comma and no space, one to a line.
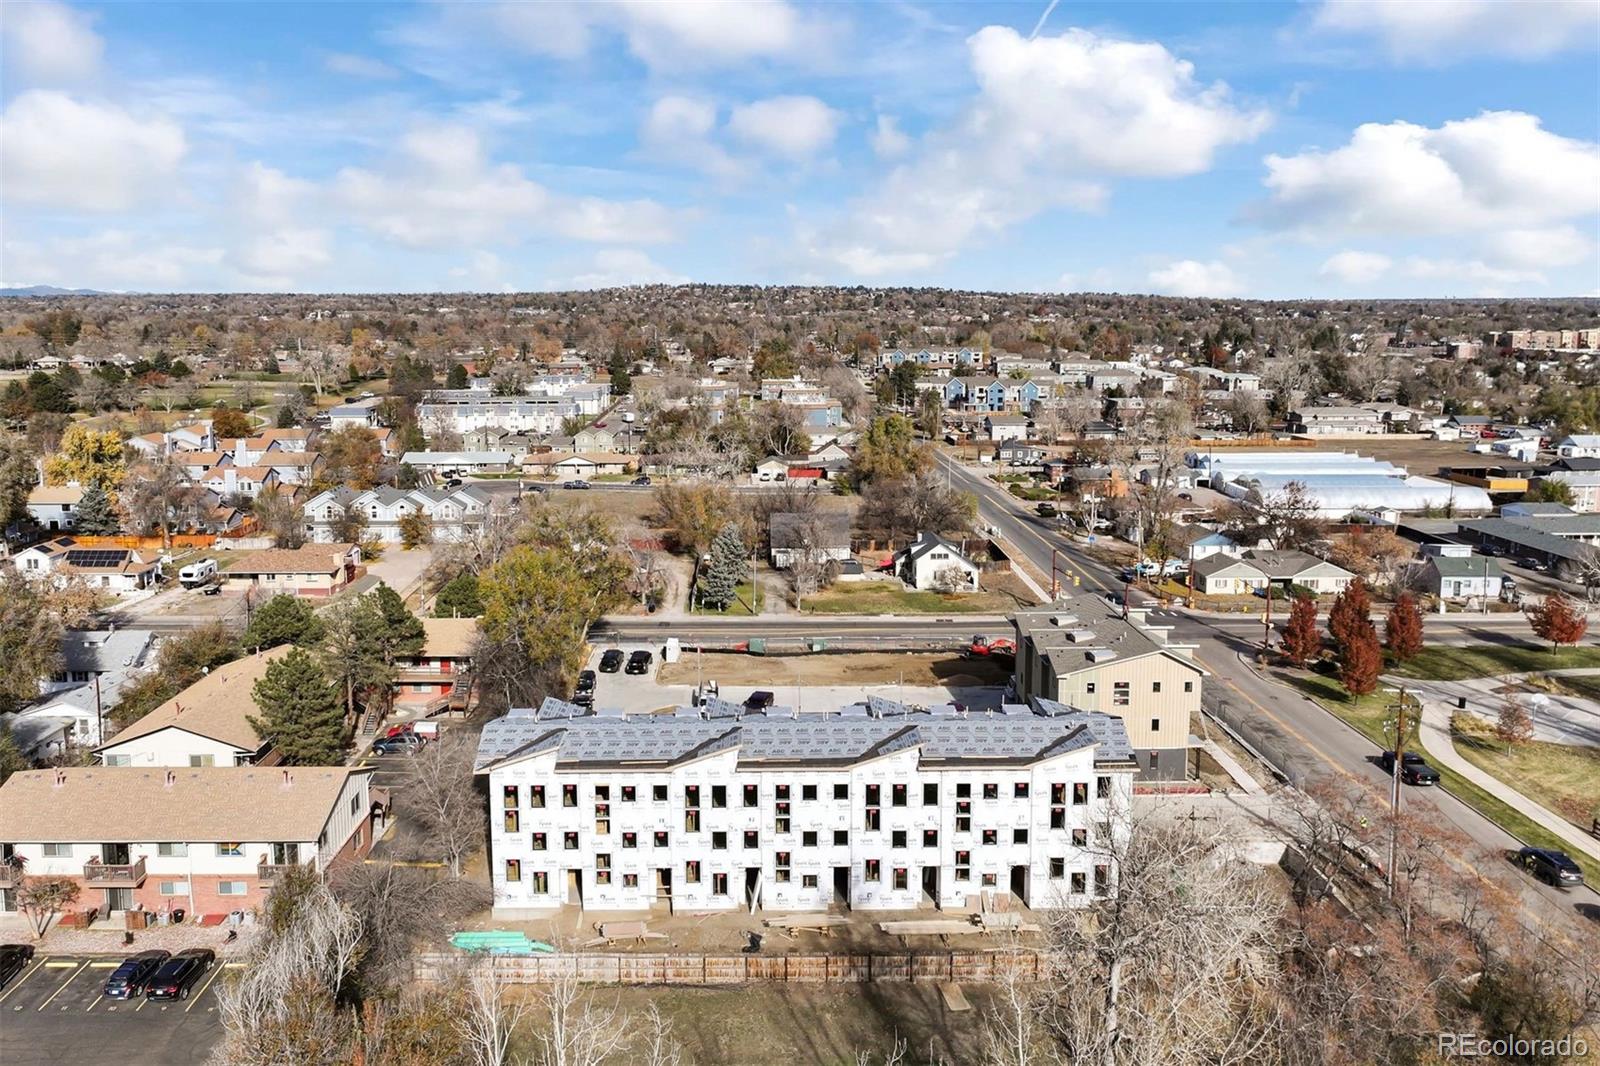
(1369,713)
(887,597)
(1563,776)
(1486,660)
(744,596)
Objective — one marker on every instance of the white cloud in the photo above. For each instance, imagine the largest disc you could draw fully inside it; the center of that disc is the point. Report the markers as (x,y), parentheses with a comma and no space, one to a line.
(1190,277)
(795,127)
(1440,30)
(116,260)
(359,66)
(888,141)
(625,266)
(681,129)
(1054,118)
(665,36)
(1557,246)
(278,240)
(47,43)
(61,152)
(442,191)
(1499,169)
(1481,278)
(1356,268)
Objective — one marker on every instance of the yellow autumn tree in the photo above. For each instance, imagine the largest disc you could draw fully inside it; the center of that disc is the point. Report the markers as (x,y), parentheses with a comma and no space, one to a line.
(89,457)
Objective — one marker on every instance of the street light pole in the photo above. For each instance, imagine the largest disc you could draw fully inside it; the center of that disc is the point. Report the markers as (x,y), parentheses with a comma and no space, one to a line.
(1394,789)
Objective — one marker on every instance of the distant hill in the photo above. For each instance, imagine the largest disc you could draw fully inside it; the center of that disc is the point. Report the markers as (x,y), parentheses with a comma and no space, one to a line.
(50,290)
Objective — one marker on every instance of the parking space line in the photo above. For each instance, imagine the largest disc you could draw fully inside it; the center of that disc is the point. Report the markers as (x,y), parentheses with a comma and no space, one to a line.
(95,1004)
(143,1002)
(37,967)
(64,985)
(109,964)
(216,972)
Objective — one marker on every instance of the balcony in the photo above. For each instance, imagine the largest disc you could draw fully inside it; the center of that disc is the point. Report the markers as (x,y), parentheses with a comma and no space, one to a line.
(271,871)
(10,873)
(114,875)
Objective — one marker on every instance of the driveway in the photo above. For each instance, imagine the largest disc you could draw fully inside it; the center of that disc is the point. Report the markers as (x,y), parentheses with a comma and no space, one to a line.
(401,570)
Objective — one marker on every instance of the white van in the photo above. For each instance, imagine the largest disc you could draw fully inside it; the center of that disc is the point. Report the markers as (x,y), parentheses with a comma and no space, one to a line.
(196,574)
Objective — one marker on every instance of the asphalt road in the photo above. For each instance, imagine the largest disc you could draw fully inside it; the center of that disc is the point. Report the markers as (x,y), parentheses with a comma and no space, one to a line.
(1320,747)
(53,1015)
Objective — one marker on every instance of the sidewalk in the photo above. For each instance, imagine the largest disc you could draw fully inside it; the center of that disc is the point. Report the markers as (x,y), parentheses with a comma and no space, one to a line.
(1434,732)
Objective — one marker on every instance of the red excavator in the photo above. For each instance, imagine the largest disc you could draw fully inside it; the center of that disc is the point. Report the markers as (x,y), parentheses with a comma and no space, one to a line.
(984,648)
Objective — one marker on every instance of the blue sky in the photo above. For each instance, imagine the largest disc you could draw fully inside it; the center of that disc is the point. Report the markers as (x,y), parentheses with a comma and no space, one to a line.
(1350,148)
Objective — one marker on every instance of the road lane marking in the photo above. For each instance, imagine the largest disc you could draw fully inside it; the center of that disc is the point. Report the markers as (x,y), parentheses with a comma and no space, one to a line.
(37,967)
(216,972)
(63,987)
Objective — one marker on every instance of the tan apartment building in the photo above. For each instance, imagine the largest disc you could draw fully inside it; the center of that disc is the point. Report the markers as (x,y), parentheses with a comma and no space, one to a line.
(1081,651)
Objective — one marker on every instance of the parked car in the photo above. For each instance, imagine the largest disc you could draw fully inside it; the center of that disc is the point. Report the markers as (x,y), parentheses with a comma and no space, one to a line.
(1551,866)
(642,479)
(580,484)
(1538,566)
(212,589)
(639,662)
(1046,510)
(399,744)
(14,958)
(177,975)
(130,978)
(583,693)
(759,700)
(611,661)
(1414,769)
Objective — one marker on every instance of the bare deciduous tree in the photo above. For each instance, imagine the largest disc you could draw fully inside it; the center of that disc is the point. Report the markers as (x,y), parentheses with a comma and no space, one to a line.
(442,797)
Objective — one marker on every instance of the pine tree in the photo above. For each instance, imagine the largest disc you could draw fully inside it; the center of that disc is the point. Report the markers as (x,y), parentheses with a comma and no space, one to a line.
(403,633)
(1360,662)
(1301,641)
(1402,630)
(283,620)
(11,757)
(1558,621)
(621,379)
(459,598)
(300,711)
(1352,610)
(457,378)
(720,585)
(95,513)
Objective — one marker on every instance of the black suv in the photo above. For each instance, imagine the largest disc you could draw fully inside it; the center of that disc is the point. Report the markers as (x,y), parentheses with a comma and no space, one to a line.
(1551,866)
(130,979)
(178,974)
(583,694)
(1414,770)
(611,661)
(14,958)
(639,662)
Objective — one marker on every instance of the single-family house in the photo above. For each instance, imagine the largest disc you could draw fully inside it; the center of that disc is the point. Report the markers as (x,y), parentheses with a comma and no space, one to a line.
(1226,575)
(1003,427)
(119,571)
(1456,572)
(931,562)
(88,655)
(817,536)
(313,570)
(1213,543)
(207,724)
(1579,446)
(773,468)
(55,507)
(1290,567)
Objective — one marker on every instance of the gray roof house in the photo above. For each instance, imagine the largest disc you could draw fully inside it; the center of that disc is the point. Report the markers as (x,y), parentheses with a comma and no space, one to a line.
(792,536)
(931,562)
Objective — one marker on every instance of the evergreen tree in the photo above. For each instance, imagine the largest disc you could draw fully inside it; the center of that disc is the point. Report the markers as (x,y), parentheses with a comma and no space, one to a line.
(283,620)
(621,379)
(402,633)
(286,418)
(720,585)
(1352,610)
(300,711)
(1301,641)
(95,513)
(1402,630)
(457,378)
(459,598)
(11,757)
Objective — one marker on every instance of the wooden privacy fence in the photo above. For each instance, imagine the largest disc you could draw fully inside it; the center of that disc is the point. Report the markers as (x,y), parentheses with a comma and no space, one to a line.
(665,969)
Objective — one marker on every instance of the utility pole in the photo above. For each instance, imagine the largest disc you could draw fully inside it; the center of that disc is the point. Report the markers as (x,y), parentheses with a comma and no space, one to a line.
(1394,789)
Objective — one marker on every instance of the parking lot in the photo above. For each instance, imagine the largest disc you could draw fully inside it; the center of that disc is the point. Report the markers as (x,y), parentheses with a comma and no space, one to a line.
(53,1012)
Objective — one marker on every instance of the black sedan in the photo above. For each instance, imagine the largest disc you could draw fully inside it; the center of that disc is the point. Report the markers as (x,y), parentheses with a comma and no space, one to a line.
(639,662)
(611,661)
(583,694)
(14,958)
(130,979)
(175,977)
(1551,866)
